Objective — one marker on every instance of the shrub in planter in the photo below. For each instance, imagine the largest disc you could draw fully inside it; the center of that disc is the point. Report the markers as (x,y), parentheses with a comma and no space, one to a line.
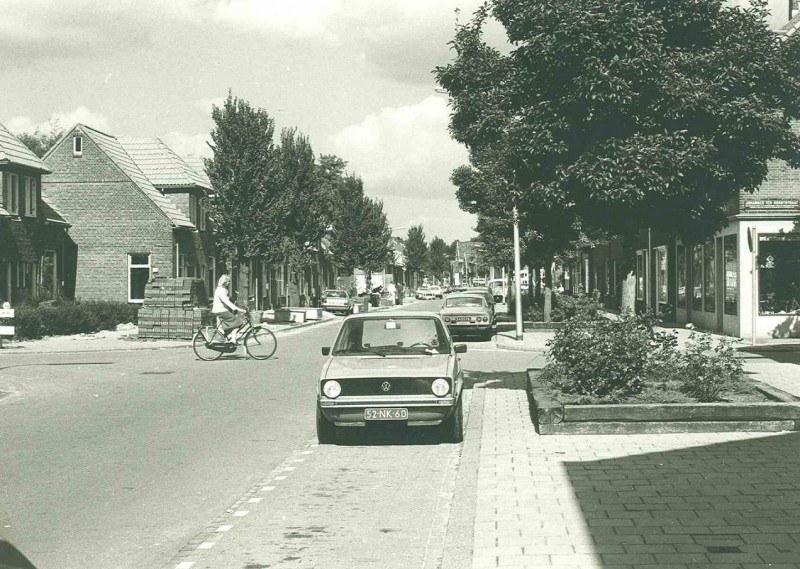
(59,317)
(28,322)
(606,357)
(705,369)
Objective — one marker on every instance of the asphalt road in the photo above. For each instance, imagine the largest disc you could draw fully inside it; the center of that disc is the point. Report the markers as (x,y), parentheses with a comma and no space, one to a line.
(134,459)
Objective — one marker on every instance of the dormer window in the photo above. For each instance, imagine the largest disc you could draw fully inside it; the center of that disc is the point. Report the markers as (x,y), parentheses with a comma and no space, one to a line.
(77,145)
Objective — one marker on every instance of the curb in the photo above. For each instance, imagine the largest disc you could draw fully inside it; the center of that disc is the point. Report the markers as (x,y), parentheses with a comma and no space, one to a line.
(141,345)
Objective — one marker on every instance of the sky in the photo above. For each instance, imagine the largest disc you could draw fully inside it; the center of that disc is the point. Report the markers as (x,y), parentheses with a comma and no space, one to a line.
(354,75)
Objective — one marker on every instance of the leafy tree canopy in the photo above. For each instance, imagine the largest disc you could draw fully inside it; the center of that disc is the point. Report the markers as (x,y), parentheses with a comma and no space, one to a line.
(416,254)
(625,114)
(438,258)
(40,142)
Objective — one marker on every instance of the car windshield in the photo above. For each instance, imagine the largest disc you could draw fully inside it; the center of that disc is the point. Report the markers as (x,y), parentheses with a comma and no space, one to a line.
(392,336)
(463,301)
(336,293)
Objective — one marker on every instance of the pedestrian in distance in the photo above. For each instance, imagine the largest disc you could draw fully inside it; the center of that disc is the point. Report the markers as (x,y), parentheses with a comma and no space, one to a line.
(225,310)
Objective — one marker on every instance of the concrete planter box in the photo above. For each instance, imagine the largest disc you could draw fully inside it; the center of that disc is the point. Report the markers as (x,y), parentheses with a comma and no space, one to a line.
(541,326)
(555,418)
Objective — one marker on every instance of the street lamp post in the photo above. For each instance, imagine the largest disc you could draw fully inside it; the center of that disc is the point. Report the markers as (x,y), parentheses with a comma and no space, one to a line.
(517,283)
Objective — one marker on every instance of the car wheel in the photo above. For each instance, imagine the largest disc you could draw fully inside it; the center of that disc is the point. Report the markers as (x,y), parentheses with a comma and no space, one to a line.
(453,426)
(326,431)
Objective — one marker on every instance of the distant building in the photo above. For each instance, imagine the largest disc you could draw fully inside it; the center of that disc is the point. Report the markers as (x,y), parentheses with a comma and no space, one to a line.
(135,213)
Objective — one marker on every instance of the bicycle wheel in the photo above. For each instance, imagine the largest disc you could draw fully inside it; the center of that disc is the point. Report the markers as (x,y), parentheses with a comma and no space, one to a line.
(260,343)
(201,341)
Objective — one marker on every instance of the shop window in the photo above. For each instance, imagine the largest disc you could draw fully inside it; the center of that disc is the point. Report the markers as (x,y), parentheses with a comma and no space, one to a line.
(661,275)
(731,260)
(709,278)
(681,275)
(138,276)
(640,275)
(779,274)
(697,277)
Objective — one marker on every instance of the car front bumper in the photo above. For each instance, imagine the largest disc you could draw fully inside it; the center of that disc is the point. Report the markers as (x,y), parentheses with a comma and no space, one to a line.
(336,307)
(422,411)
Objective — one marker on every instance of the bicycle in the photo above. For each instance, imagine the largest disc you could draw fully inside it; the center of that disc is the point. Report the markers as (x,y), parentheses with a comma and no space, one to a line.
(210,342)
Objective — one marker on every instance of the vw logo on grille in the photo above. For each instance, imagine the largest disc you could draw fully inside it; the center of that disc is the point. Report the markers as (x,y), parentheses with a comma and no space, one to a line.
(386,386)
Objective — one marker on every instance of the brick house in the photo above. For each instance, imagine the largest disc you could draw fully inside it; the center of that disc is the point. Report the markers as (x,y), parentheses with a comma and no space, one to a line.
(33,235)
(125,229)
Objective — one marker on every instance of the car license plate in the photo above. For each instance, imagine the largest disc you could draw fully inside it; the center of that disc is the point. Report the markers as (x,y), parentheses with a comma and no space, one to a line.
(463,319)
(385,414)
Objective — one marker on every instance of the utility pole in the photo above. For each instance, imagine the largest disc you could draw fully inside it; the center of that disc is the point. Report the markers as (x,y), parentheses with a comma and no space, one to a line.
(517,283)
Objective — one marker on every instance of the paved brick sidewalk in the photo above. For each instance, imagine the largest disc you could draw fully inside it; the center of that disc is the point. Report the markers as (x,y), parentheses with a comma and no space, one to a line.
(719,500)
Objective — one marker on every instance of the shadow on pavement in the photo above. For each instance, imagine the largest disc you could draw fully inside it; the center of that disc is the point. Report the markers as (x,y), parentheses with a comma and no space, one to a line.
(11,558)
(777,354)
(495,380)
(388,434)
(731,504)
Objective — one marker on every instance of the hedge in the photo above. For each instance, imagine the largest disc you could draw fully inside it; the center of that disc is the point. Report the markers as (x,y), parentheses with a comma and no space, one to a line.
(71,317)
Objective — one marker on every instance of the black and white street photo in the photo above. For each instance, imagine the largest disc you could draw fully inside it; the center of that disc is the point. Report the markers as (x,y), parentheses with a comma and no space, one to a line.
(400,284)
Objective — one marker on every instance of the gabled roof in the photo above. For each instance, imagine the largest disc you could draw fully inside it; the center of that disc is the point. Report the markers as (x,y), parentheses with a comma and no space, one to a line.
(51,214)
(12,151)
(197,164)
(114,150)
(161,165)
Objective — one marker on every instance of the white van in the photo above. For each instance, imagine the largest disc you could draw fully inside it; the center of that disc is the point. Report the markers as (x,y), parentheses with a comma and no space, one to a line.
(499,289)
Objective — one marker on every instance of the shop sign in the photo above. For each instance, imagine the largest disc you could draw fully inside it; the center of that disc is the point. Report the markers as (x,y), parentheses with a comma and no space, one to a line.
(771,204)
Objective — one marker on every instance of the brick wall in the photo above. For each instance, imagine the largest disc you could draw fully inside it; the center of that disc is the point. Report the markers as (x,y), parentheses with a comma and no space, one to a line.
(110,218)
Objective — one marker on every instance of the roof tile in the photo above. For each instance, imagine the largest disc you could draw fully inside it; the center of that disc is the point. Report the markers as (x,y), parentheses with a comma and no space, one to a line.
(14,152)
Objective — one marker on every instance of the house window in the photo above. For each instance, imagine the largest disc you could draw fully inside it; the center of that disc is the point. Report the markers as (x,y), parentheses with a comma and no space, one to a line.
(29,203)
(197,212)
(709,272)
(77,145)
(640,268)
(697,277)
(138,275)
(779,274)
(11,198)
(183,265)
(681,270)
(731,256)
(661,275)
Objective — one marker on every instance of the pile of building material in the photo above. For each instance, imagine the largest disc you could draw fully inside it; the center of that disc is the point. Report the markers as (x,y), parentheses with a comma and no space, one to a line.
(174,308)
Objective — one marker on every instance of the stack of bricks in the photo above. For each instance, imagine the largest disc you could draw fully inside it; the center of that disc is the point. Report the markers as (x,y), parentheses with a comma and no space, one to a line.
(174,308)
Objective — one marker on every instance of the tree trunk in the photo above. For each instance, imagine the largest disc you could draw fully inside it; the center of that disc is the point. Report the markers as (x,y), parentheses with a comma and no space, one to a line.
(628,303)
(548,291)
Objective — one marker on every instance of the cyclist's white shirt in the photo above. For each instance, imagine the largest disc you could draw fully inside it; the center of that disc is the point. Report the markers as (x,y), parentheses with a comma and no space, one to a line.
(222,303)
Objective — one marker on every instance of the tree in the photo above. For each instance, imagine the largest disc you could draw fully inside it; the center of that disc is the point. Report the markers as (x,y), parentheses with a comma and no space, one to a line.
(361,234)
(40,142)
(416,253)
(438,260)
(627,114)
(248,207)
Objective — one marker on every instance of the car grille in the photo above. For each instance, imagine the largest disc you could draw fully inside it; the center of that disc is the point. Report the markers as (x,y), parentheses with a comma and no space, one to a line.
(398,386)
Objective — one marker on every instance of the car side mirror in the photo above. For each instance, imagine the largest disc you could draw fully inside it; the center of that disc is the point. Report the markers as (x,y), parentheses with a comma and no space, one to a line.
(326,351)
(460,348)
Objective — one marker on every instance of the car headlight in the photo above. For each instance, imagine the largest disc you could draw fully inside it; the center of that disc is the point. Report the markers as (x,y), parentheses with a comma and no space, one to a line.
(485,318)
(440,387)
(447,319)
(332,389)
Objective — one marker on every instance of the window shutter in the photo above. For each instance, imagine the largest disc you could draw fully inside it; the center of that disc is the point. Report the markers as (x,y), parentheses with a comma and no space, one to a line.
(26,202)
(4,191)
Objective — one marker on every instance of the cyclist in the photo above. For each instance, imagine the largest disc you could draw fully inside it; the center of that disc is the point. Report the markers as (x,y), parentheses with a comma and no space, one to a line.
(225,310)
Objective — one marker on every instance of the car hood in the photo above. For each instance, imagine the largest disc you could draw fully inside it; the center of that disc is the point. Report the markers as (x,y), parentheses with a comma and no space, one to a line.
(342,367)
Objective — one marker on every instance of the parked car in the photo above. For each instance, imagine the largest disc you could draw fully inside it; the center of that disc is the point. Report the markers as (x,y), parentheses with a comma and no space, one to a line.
(425,293)
(483,291)
(437,291)
(336,300)
(466,313)
(395,369)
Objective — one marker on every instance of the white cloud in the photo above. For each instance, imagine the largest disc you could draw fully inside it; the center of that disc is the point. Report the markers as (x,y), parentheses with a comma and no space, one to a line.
(61,119)
(184,144)
(405,156)
(299,18)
